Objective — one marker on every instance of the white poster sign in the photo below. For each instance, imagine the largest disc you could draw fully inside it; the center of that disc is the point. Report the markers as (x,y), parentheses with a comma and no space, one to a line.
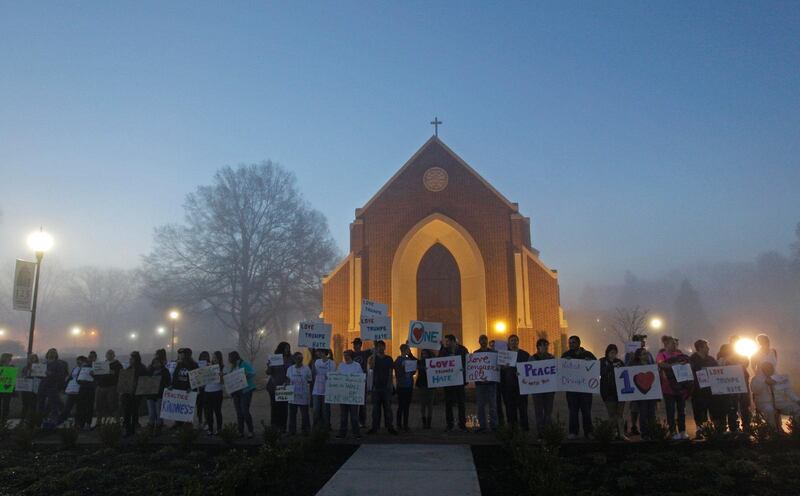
(579,376)
(101,368)
(235,381)
(632,346)
(345,389)
(23,285)
(376,328)
(507,358)
(284,394)
(501,345)
(199,377)
(26,385)
(171,366)
(39,369)
(178,405)
(410,365)
(482,367)
(315,335)
(445,371)
(373,309)
(540,376)
(275,360)
(639,382)
(683,372)
(702,378)
(727,380)
(425,335)
(85,375)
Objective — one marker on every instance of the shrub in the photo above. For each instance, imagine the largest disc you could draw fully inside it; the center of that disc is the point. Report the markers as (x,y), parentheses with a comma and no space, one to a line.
(110,432)
(658,431)
(22,436)
(538,468)
(143,439)
(229,433)
(604,431)
(761,429)
(712,431)
(271,435)
(187,435)
(794,428)
(69,437)
(5,430)
(553,435)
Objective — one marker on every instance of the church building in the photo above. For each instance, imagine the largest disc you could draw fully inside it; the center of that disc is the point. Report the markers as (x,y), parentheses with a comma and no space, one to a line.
(438,243)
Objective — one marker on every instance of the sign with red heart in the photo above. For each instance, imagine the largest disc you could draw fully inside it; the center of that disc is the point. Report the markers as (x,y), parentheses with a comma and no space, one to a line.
(640,382)
(425,335)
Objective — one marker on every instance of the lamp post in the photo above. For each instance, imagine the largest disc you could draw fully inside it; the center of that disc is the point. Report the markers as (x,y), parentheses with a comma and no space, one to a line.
(39,242)
(174,315)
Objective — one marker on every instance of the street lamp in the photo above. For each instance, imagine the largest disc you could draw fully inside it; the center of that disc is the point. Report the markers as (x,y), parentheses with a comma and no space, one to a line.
(39,242)
(76,331)
(174,315)
(161,330)
(656,323)
(133,335)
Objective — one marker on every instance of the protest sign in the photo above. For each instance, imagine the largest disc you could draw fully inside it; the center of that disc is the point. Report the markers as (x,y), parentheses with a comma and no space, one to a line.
(202,363)
(445,371)
(284,394)
(38,369)
(171,366)
(702,378)
(425,335)
(781,382)
(727,380)
(579,376)
(501,345)
(72,387)
(275,360)
(148,385)
(235,381)
(410,365)
(126,382)
(25,385)
(101,368)
(85,375)
(482,367)
(315,335)
(376,328)
(683,372)
(373,309)
(23,285)
(536,377)
(640,382)
(345,389)
(632,346)
(507,358)
(8,379)
(178,405)
(205,375)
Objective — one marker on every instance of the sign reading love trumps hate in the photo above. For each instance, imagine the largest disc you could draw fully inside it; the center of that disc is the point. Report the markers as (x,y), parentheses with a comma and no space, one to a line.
(482,367)
(445,371)
(425,335)
(727,380)
(639,382)
(373,309)
(376,328)
(540,376)
(178,405)
(314,334)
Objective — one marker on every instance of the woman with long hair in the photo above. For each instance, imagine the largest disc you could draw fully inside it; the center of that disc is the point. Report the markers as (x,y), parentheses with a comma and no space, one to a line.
(276,372)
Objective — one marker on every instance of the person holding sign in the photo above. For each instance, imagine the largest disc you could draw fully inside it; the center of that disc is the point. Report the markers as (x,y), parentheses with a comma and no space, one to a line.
(279,410)
(72,389)
(641,339)
(106,399)
(579,403)
(361,358)
(675,393)
(405,385)
(515,403)
(703,403)
(214,396)
(243,397)
(203,359)
(608,389)
(542,402)
(49,404)
(764,353)
(774,395)
(156,369)
(129,400)
(29,397)
(486,392)
(736,404)
(382,366)
(425,393)
(5,397)
(455,395)
(299,376)
(646,408)
(322,411)
(351,411)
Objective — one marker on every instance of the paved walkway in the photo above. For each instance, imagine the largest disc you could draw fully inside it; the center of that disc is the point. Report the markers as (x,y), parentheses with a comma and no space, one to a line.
(392,469)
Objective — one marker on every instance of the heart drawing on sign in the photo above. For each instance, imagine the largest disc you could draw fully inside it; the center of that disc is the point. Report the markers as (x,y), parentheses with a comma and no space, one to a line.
(416,332)
(644,381)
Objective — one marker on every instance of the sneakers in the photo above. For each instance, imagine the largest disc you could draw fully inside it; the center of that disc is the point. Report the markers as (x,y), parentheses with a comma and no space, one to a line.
(635,432)
(684,436)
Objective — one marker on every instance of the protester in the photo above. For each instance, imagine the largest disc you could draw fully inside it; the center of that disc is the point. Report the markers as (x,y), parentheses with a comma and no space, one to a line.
(279,410)
(361,358)
(106,398)
(348,366)
(501,419)
(405,386)
(322,411)
(736,406)
(646,408)
(5,397)
(764,353)
(381,366)
(91,388)
(29,397)
(774,396)
(629,356)
(455,395)
(243,397)
(157,369)
(213,404)
(203,360)
(129,399)
(608,389)
(704,405)
(180,377)
(85,399)
(675,393)
(516,404)
(425,393)
(579,403)
(72,390)
(49,401)
(486,393)
(300,378)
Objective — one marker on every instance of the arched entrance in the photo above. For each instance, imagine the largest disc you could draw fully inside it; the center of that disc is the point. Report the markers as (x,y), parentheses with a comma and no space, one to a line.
(439,290)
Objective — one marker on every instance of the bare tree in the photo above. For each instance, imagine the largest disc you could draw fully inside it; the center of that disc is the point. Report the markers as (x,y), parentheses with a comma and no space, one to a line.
(629,322)
(250,250)
(103,295)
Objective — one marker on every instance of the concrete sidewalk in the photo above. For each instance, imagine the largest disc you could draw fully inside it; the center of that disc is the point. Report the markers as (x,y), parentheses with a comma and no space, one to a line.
(393,469)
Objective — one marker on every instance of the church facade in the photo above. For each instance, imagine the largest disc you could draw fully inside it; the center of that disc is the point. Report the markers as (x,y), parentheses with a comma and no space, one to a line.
(439,243)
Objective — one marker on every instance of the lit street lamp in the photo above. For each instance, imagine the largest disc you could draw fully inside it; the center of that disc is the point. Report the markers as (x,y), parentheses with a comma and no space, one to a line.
(39,242)
(656,323)
(174,315)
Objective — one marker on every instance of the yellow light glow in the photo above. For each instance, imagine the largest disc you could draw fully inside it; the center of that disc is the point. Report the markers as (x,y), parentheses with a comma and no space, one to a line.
(745,347)
(174,315)
(161,330)
(133,335)
(500,326)
(2,332)
(40,241)
(656,323)
(93,333)
(76,331)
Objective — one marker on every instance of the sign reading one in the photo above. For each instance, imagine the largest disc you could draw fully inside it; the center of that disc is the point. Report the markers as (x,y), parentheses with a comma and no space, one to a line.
(425,335)
(639,382)
(345,389)
(445,371)
(537,377)
(235,381)
(376,328)
(178,405)
(727,380)
(23,285)
(373,309)
(482,367)
(314,334)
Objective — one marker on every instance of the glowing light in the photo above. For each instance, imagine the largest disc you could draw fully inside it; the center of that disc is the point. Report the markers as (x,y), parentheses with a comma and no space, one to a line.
(2,332)
(656,323)
(500,326)
(261,332)
(76,331)
(161,330)
(174,314)
(93,333)
(133,335)
(745,347)
(40,241)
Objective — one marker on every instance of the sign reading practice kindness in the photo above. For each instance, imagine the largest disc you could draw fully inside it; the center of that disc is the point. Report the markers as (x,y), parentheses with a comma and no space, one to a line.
(376,328)
(345,389)
(639,382)
(540,376)
(178,405)
(482,367)
(727,380)
(445,371)
(579,376)
(425,335)
(314,334)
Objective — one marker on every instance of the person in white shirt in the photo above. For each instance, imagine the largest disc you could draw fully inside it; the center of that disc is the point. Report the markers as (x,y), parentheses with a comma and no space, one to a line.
(349,367)
(773,395)
(322,410)
(299,377)
(764,353)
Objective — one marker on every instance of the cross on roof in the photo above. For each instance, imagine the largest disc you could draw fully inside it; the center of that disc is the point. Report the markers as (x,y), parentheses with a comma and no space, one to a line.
(436,123)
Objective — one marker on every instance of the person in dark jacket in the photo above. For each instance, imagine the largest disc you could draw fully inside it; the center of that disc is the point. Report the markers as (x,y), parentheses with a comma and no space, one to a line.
(129,400)
(361,357)
(455,395)
(382,367)
(405,386)
(736,405)
(425,393)
(157,369)
(515,403)
(579,403)
(704,406)
(29,397)
(106,399)
(203,360)
(608,389)
(180,378)
(277,373)
(50,387)
(214,397)
(542,402)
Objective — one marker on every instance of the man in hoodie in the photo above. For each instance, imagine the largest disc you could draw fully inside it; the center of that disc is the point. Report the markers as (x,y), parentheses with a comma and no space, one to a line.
(51,386)
(455,395)
(703,403)
(579,403)
(382,367)
(515,403)
(106,398)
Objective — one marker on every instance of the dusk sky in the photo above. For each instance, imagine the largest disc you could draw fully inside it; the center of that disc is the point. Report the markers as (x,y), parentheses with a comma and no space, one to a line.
(636,135)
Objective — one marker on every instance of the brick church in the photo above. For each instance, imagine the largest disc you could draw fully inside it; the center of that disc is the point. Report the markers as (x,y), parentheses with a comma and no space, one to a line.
(439,243)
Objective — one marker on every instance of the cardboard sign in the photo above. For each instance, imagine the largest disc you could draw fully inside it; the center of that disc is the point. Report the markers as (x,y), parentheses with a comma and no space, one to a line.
(148,385)
(683,372)
(537,377)
(178,405)
(501,345)
(315,335)
(507,358)
(284,394)
(101,368)
(235,381)
(8,379)
(30,385)
(445,371)
(376,328)
(640,382)
(38,369)
(85,375)
(373,309)
(425,335)
(201,376)
(702,378)
(482,367)
(345,389)
(727,380)
(275,361)
(410,365)
(632,346)
(579,376)
(127,381)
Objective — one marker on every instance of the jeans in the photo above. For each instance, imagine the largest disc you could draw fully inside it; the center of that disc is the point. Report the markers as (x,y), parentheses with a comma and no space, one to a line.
(346,411)
(516,407)
(5,405)
(154,412)
(241,401)
(293,418)
(647,416)
(580,403)
(83,410)
(213,407)
(381,400)
(616,410)
(542,411)
(486,395)
(49,402)
(278,413)
(130,412)
(72,399)
(425,396)
(322,413)
(738,404)
(455,395)
(403,406)
(670,403)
